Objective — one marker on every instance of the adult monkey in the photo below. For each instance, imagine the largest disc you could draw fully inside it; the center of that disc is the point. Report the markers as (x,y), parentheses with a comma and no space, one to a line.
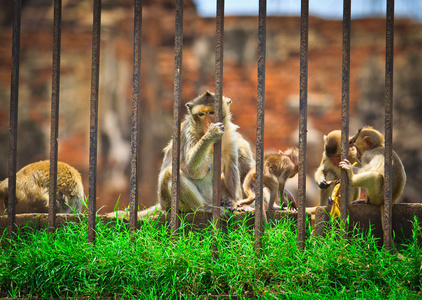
(369,145)
(197,139)
(329,169)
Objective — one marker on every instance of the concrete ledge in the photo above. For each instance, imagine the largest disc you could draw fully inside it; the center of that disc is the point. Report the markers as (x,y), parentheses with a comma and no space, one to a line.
(365,215)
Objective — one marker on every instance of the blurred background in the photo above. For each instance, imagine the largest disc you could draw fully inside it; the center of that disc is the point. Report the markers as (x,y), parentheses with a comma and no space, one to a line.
(240,82)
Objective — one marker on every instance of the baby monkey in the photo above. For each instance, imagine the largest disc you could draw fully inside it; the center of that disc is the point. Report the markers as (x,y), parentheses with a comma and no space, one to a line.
(32,188)
(329,169)
(369,144)
(278,167)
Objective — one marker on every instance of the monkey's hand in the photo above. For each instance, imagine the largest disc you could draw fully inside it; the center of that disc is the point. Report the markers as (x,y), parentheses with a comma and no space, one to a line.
(323,184)
(346,165)
(215,131)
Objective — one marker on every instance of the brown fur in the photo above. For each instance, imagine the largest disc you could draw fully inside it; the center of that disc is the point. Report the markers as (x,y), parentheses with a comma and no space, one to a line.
(198,136)
(32,188)
(369,144)
(278,167)
(328,172)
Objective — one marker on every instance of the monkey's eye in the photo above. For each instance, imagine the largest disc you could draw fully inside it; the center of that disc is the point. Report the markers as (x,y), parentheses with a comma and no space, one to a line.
(211,112)
(201,114)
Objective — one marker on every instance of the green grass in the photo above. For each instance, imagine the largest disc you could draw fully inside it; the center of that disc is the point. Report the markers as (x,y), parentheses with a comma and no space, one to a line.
(150,264)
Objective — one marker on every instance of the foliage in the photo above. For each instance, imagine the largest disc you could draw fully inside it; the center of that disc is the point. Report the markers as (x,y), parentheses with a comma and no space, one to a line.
(150,263)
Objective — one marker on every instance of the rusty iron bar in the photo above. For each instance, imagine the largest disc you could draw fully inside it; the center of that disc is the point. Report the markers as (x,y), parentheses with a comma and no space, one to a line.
(389,54)
(55,98)
(345,100)
(303,103)
(136,99)
(93,138)
(262,24)
(175,165)
(13,122)
(218,111)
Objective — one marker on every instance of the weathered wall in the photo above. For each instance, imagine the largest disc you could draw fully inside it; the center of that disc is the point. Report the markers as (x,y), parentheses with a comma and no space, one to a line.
(240,80)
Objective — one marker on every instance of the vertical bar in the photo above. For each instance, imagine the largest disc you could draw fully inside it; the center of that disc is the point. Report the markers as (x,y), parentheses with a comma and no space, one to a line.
(95,70)
(388,239)
(178,51)
(13,122)
(260,124)
(303,102)
(218,113)
(345,98)
(55,97)
(136,99)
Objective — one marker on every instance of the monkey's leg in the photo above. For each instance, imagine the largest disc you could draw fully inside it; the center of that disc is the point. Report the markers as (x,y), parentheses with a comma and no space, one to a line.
(246,201)
(373,182)
(191,198)
(271,183)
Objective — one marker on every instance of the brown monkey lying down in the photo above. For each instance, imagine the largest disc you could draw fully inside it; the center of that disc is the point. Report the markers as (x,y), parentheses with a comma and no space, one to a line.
(32,189)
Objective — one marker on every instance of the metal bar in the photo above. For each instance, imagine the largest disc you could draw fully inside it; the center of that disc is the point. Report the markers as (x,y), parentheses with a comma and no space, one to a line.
(55,98)
(345,100)
(389,54)
(13,122)
(262,22)
(178,53)
(136,99)
(303,103)
(93,139)
(218,111)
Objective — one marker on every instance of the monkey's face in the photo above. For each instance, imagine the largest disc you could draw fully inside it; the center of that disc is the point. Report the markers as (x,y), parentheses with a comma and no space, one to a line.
(205,117)
(359,144)
(333,147)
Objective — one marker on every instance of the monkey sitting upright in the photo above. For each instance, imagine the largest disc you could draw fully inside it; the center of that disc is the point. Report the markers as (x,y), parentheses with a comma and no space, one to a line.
(278,167)
(369,144)
(32,189)
(329,169)
(197,139)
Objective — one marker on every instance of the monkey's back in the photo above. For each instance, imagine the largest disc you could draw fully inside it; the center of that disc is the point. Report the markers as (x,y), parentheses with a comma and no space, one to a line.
(398,173)
(32,188)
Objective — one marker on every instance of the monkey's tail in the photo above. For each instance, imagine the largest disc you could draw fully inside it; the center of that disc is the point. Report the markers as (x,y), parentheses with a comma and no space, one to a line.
(150,212)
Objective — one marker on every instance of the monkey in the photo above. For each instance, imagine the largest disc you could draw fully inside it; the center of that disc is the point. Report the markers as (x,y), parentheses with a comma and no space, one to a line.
(198,135)
(32,189)
(277,168)
(329,169)
(246,158)
(369,144)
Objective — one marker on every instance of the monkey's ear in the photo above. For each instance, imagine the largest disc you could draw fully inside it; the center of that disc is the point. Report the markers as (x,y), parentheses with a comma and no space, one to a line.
(189,106)
(325,137)
(227,100)
(369,142)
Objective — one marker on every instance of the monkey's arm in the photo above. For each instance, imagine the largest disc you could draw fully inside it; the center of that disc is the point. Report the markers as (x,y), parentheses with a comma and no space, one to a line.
(371,180)
(319,175)
(282,181)
(198,159)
